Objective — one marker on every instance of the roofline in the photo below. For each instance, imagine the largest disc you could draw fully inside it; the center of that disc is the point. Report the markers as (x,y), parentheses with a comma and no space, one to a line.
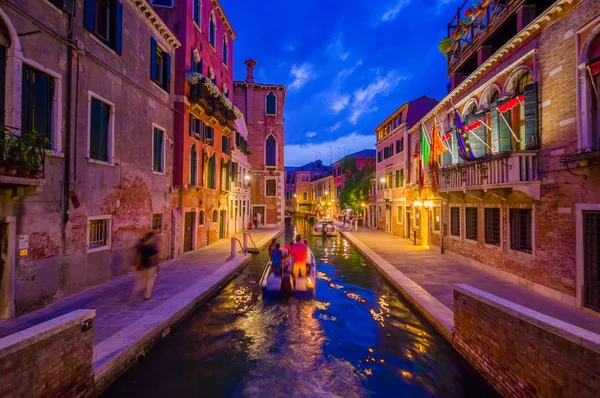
(148,12)
(224,18)
(275,86)
(533,26)
(392,116)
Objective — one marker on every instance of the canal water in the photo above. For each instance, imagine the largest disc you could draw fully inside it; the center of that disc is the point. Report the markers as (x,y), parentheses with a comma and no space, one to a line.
(359,338)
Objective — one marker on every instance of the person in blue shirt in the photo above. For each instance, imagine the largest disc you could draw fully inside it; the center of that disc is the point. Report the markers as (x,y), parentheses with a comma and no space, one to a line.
(276,260)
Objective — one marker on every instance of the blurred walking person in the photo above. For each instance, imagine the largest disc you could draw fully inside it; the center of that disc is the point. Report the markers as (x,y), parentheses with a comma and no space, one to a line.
(146,264)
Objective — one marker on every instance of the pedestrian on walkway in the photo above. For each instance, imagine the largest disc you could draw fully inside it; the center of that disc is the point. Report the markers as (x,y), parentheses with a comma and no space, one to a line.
(146,264)
(259,219)
(255,220)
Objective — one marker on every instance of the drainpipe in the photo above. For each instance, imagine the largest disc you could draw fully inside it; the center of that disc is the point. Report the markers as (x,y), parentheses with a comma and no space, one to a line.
(67,171)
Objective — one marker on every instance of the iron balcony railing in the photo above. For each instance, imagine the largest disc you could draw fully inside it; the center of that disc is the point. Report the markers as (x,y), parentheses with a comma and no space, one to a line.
(496,169)
(22,153)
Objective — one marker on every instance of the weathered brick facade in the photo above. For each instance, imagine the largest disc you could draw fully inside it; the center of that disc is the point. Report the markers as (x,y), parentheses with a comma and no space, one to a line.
(504,345)
(122,187)
(266,140)
(532,179)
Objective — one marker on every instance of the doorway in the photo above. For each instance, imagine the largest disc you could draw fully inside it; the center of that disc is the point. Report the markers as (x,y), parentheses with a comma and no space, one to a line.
(262,211)
(407,223)
(591,259)
(222,221)
(188,232)
(388,219)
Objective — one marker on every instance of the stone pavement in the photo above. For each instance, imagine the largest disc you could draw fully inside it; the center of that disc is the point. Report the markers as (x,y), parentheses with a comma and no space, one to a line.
(437,273)
(116,309)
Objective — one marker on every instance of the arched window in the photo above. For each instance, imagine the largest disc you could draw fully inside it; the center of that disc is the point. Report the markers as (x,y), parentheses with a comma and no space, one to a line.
(212,29)
(490,97)
(271,101)
(193,166)
(215,216)
(470,109)
(519,81)
(225,50)
(212,76)
(271,151)
(201,217)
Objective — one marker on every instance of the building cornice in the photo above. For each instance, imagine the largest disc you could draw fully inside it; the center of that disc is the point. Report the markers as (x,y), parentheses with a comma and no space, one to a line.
(148,12)
(536,25)
(260,85)
(224,18)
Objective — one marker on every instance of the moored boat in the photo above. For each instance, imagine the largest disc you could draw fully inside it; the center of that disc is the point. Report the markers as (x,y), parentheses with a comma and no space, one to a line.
(300,287)
(324,227)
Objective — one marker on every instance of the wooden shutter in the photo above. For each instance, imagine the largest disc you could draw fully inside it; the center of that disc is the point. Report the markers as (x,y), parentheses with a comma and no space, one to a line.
(88,14)
(153,68)
(478,147)
(193,166)
(501,135)
(196,12)
(116,20)
(532,140)
(167,72)
(69,6)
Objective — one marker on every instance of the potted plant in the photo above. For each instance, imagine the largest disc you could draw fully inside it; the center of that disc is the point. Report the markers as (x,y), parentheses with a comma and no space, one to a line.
(457,33)
(446,44)
(11,159)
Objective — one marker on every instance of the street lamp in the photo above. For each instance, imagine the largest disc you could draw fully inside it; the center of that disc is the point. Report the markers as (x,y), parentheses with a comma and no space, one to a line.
(247,178)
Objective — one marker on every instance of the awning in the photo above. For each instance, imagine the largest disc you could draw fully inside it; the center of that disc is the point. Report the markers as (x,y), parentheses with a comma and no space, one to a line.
(595,68)
(473,125)
(507,106)
(446,137)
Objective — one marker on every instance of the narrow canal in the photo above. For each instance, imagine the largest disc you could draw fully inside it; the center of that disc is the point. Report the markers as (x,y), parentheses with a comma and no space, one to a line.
(359,338)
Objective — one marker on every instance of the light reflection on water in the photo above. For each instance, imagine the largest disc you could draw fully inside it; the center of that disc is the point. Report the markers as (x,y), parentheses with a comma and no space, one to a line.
(357,339)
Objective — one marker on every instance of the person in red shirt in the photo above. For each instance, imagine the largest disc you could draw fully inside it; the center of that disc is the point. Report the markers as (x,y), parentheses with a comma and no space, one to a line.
(300,255)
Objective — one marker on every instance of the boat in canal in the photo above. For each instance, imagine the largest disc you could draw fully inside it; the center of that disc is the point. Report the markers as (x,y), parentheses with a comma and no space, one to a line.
(324,227)
(302,287)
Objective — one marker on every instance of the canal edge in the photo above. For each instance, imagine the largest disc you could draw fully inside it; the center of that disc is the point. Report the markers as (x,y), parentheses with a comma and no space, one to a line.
(436,313)
(108,367)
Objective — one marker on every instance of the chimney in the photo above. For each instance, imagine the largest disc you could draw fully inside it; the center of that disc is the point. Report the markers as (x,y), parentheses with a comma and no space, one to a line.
(250,64)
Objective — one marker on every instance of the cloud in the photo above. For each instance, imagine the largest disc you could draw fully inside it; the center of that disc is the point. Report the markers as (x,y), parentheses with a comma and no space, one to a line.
(336,48)
(364,98)
(297,154)
(334,127)
(340,102)
(301,74)
(311,134)
(441,4)
(392,13)
(348,71)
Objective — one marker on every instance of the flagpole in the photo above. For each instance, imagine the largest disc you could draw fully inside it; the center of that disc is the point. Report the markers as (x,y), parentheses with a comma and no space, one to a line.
(443,143)
(508,125)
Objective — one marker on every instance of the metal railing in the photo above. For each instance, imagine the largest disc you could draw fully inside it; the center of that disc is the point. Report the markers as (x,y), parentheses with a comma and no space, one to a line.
(22,154)
(496,169)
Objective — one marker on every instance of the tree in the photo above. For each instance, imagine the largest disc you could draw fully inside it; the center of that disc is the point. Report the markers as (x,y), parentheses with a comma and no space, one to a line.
(357,183)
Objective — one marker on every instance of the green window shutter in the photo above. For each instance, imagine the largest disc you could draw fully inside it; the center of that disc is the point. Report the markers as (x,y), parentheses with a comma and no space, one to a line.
(167,72)
(532,139)
(501,135)
(478,147)
(116,19)
(193,166)
(228,176)
(89,10)
(397,178)
(99,130)
(153,66)
(158,151)
(201,168)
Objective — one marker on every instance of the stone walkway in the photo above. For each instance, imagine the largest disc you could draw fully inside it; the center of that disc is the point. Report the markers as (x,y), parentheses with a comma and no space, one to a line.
(437,273)
(116,309)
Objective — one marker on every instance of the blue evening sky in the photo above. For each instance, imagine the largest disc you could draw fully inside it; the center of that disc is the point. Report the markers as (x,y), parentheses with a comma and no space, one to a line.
(347,64)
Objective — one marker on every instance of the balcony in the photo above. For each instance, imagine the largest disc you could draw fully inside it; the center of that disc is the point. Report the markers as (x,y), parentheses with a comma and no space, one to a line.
(499,174)
(204,94)
(21,157)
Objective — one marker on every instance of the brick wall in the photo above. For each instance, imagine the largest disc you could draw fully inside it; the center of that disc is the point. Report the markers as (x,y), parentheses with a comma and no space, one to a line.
(523,353)
(53,359)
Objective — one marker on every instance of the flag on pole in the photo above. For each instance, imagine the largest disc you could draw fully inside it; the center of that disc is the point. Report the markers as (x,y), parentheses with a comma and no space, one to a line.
(464,147)
(436,143)
(425,148)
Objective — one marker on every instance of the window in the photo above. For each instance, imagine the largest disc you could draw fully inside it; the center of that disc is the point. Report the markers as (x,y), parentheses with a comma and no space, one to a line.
(157,221)
(520,230)
(471,223)
(399,214)
(212,29)
(211,172)
(104,18)
(455,221)
(437,219)
(492,226)
(162,3)
(100,130)
(590,89)
(305,196)
(197,12)
(201,217)
(271,187)
(160,65)
(37,100)
(193,166)
(398,179)
(271,104)
(209,134)
(231,209)
(271,151)
(98,233)
(225,50)
(215,216)
(379,212)
(158,151)
(400,145)
(196,127)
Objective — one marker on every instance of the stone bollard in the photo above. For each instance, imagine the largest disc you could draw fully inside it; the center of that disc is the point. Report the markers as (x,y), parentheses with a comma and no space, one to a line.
(232,247)
(245,241)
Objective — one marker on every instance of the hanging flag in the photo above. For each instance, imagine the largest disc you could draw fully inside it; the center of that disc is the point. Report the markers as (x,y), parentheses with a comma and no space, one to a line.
(436,143)
(464,147)
(425,148)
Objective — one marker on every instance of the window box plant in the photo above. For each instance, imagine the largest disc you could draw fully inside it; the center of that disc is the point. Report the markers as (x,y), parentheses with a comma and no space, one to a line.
(446,45)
